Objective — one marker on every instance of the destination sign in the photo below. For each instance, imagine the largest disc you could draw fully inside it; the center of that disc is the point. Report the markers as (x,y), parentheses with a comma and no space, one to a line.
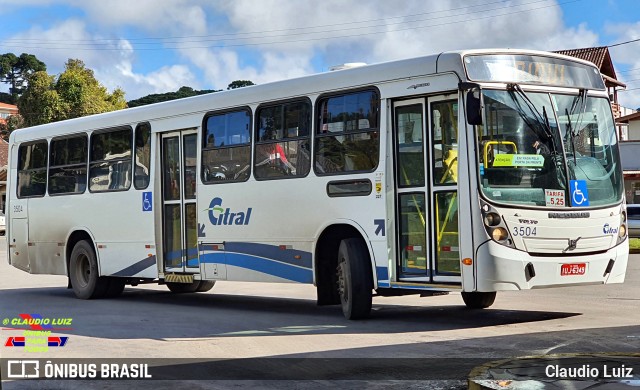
(535,69)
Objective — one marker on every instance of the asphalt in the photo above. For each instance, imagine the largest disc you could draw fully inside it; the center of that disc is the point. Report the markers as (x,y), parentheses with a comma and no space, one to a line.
(561,371)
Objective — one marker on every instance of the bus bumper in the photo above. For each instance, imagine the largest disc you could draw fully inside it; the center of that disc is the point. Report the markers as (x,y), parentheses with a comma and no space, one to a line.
(500,268)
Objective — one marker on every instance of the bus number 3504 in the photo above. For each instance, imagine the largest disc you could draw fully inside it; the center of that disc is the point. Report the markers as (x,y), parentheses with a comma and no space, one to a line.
(524,231)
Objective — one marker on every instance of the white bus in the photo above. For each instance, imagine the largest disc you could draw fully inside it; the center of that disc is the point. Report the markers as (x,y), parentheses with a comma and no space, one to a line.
(472,171)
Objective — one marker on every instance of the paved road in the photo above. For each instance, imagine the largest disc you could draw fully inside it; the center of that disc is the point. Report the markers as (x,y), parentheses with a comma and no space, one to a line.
(433,338)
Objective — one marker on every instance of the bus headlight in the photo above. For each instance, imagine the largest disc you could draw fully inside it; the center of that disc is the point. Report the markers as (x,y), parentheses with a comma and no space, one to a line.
(622,231)
(499,234)
(492,219)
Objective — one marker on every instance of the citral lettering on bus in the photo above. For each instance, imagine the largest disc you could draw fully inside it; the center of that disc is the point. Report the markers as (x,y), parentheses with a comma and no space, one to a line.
(222,216)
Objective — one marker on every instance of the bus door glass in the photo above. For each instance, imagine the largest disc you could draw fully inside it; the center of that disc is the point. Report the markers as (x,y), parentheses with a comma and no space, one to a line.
(179,222)
(443,129)
(412,248)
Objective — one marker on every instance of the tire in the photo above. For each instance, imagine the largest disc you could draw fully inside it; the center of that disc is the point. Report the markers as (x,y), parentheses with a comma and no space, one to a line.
(355,283)
(116,287)
(478,300)
(183,288)
(83,272)
(205,285)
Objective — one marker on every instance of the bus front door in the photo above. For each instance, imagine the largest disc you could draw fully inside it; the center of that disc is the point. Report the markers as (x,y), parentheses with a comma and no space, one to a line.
(179,214)
(425,141)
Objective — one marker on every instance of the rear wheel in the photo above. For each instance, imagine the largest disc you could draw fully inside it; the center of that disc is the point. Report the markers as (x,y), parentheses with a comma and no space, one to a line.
(83,272)
(205,285)
(196,286)
(478,300)
(354,279)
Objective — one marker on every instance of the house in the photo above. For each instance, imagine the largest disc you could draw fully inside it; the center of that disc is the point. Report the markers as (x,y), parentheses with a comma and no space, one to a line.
(6,110)
(629,152)
(602,59)
(632,121)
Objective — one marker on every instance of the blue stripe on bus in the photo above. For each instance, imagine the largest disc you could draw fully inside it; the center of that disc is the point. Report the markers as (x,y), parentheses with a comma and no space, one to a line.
(137,267)
(383,273)
(270,251)
(260,264)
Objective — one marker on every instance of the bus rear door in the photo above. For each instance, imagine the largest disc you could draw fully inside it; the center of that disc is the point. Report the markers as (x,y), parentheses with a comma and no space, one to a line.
(179,214)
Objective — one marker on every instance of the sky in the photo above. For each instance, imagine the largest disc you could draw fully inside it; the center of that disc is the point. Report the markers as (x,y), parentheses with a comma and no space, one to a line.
(157,46)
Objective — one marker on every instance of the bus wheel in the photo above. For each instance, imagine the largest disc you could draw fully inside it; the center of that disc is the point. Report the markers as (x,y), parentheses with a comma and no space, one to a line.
(83,272)
(354,279)
(478,300)
(116,287)
(205,285)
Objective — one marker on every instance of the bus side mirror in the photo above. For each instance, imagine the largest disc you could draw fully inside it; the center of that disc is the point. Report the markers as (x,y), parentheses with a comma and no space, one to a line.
(474,107)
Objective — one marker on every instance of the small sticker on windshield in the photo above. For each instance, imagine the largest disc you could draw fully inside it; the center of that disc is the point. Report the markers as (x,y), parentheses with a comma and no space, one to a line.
(518,160)
(554,198)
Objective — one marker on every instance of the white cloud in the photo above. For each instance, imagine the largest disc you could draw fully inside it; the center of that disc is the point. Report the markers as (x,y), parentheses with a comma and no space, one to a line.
(231,40)
(168,18)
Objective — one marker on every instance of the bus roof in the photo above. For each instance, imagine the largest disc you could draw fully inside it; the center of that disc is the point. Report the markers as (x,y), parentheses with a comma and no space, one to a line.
(310,85)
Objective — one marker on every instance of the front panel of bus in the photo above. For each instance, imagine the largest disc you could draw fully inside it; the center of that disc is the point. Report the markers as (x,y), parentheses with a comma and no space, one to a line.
(548,175)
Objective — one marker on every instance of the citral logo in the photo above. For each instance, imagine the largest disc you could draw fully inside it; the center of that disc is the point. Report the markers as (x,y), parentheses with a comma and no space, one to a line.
(221,216)
(606,229)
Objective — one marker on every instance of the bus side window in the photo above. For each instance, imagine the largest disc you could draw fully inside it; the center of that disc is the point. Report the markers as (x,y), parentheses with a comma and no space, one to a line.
(282,141)
(347,134)
(142,160)
(32,169)
(110,160)
(226,147)
(68,165)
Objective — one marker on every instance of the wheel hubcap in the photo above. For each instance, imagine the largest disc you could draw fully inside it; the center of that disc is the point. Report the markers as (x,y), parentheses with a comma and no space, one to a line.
(84,270)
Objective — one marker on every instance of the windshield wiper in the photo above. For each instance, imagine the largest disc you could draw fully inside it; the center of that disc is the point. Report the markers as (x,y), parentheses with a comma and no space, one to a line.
(543,127)
(571,135)
(571,130)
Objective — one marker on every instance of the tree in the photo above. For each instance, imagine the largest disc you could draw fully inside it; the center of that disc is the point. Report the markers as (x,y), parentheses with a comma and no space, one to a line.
(74,93)
(15,71)
(40,102)
(183,92)
(239,84)
(13,122)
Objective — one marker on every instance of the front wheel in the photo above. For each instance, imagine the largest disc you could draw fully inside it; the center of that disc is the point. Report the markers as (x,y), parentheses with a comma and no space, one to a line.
(354,279)
(478,300)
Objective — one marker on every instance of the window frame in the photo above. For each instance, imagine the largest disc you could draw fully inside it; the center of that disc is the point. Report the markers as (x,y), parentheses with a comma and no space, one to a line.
(318,123)
(139,127)
(257,142)
(432,140)
(86,164)
(90,161)
(45,168)
(204,149)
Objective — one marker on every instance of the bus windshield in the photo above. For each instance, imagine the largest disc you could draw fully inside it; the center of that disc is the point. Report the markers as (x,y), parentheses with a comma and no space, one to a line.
(541,149)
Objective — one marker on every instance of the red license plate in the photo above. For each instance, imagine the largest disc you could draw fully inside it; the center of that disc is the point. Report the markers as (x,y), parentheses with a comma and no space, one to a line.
(573,269)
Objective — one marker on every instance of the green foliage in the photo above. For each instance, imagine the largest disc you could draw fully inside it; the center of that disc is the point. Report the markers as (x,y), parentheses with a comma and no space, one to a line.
(15,71)
(183,92)
(74,93)
(7,98)
(12,123)
(239,84)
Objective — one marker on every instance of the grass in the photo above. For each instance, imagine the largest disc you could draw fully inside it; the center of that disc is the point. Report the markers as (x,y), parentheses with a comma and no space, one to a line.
(634,245)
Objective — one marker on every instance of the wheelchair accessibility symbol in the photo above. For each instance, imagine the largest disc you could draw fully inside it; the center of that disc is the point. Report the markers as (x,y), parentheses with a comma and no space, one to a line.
(579,193)
(147,201)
